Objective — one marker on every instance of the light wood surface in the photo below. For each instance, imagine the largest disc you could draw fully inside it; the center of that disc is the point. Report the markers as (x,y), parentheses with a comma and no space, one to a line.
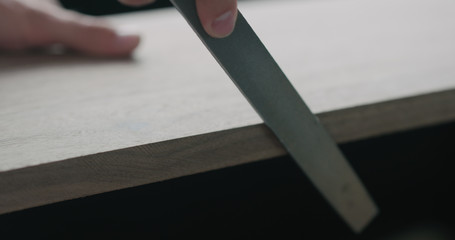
(73,126)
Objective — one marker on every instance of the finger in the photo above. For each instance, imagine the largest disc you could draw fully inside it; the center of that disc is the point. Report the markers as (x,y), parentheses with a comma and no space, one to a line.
(90,35)
(136,3)
(217,16)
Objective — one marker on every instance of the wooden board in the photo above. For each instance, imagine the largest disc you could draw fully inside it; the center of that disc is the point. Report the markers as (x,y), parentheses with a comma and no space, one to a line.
(72,126)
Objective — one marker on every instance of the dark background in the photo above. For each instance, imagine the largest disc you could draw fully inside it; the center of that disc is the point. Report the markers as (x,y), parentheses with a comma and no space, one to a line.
(409,174)
(103,7)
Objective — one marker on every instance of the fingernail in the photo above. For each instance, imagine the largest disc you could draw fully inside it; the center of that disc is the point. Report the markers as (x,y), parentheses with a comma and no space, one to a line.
(223,25)
(127,42)
(127,30)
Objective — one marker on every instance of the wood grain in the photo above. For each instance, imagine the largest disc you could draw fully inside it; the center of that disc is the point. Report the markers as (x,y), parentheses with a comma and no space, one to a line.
(73,126)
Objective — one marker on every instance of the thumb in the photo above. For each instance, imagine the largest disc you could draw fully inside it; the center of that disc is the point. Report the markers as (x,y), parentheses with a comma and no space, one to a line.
(217,16)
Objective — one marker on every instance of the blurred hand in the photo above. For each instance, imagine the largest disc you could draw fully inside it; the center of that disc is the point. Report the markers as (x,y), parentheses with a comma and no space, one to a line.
(36,23)
(217,16)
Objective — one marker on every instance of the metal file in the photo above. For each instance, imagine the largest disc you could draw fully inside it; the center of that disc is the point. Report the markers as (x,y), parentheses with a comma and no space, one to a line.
(251,67)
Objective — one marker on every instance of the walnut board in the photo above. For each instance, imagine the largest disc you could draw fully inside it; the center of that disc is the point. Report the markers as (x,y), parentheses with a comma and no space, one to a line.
(72,126)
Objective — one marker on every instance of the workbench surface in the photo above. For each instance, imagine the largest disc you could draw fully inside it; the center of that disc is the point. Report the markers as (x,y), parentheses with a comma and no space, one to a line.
(73,126)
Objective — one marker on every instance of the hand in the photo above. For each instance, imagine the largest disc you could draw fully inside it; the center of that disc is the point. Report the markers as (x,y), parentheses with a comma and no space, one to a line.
(217,16)
(30,23)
